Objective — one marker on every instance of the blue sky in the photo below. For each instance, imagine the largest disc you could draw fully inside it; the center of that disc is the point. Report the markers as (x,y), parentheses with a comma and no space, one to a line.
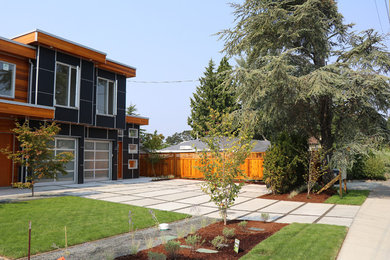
(165,40)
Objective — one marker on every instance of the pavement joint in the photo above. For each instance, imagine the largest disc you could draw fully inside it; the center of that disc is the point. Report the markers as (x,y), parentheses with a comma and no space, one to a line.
(326,212)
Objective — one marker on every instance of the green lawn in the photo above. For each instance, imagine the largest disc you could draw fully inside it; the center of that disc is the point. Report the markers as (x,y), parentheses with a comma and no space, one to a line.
(353,197)
(301,241)
(85,220)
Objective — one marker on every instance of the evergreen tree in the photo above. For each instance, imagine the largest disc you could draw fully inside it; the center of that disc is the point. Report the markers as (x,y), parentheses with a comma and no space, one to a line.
(302,70)
(213,93)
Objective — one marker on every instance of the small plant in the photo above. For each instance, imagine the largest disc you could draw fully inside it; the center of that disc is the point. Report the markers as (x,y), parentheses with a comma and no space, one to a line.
(131,225)
(265,216)
(172,247)
(192,229)
(171,176)
(180,232)
(194,241)
(228,232)
(293,194)
(148,242)
(243,224)
(154,217)
(134,246)
(22,185)
(204,222)
(156,256)
(218,242)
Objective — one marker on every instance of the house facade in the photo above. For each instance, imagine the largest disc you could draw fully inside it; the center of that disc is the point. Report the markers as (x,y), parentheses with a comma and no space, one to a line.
(44,77)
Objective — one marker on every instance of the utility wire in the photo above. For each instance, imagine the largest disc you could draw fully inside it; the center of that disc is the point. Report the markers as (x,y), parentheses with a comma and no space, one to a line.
(163,82)
(379,18)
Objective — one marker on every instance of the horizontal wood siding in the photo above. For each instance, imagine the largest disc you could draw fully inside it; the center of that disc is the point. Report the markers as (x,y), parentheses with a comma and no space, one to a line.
(184,165)
(21,81)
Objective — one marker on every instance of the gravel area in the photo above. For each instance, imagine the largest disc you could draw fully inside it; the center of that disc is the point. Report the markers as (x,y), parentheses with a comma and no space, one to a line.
(109,248)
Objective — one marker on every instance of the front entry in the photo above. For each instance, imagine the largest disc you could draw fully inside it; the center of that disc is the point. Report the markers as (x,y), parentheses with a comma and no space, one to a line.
(97,160)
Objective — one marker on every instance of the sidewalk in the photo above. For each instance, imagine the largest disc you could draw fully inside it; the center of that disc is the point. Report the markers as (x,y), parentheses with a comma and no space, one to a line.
(369,234)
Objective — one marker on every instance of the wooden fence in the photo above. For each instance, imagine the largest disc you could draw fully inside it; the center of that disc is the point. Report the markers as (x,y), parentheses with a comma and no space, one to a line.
(183,165)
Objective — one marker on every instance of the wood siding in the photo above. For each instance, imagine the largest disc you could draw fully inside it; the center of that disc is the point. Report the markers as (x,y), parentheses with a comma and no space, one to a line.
(21,79)
(137,120)
(17,49)
(183,165)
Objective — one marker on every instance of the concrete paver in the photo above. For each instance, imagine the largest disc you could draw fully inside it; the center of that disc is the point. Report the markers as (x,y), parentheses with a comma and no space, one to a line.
(257,216)
(231,214)
(253,205)
(282,207)
(297,218)
(348,211)
(196,200)
(336,221)
(197,210)
(144,202)
(315,209)
(121,198)
(169,206)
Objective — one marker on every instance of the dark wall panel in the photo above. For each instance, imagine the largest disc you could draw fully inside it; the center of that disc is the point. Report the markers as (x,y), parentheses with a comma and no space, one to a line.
(114,161)
(106,74)
(46,59)
(46,81)
(121,119)
(121,83)
(66,114)
(97,133)
(64,129)
(112,134)
(105,121)
(80,177)
(121,100)
(45,99)
(77,130)
(86,90)
(87,70)
(85,112)
(65,58)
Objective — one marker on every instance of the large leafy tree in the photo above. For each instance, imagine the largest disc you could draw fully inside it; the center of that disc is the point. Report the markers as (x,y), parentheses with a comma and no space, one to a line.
(302,70)
(211,94)
(152,143)
(177,138)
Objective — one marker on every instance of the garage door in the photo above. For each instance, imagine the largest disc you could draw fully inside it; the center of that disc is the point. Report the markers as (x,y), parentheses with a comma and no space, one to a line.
(97,160)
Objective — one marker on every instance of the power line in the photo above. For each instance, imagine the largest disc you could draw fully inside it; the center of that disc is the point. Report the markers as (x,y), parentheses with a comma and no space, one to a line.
(379,18)
(163,82)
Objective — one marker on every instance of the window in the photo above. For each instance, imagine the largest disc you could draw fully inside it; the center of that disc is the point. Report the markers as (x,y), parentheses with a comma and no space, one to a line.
(67,82)
(133,148)
(7,79)
(60,145)
(133,133)
(133,164)
(97,160)
(106,97)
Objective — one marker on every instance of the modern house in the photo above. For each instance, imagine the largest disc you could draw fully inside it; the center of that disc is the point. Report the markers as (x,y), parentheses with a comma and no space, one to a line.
(181,160)
(44,77)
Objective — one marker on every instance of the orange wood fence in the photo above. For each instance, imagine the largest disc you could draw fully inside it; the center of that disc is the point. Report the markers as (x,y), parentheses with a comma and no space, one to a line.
(183,165)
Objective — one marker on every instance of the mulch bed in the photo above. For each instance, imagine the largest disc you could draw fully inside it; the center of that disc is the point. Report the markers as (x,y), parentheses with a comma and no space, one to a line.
(248,239)
(314,198)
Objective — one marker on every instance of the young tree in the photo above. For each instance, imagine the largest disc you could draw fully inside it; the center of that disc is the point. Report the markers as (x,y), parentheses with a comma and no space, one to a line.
(317,168)
(228,147)
(35,152)
(211,94)
(132,110)
(177,138)
(152,143)
(303,71)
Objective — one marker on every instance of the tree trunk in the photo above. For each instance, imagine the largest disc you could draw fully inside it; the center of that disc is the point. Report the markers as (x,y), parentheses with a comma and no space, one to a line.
(224,215)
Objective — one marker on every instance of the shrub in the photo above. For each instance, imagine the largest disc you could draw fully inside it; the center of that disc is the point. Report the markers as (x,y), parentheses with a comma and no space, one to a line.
(285,163)
(228,232)
(243,224)
(156,256)
(172,248)
(372,167)
(265,216)
(194,241)
(218,242)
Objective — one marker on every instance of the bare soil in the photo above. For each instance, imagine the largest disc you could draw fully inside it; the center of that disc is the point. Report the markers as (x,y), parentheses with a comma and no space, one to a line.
(314,198)
(248,239)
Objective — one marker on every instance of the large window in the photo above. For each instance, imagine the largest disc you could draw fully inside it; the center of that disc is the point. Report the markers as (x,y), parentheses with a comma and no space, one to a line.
(67,85)
(61,145)
(106,97)
(7,79)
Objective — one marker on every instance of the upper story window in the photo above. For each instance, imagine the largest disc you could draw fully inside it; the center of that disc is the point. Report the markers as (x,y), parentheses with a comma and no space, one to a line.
(7,79)
(67,85)
(106,97)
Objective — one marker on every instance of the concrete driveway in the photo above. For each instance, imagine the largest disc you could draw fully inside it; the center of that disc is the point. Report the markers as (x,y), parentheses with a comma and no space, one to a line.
(185,196)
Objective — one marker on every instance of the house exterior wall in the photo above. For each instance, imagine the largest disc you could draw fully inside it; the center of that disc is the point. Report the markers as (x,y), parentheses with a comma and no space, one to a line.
(35,86)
